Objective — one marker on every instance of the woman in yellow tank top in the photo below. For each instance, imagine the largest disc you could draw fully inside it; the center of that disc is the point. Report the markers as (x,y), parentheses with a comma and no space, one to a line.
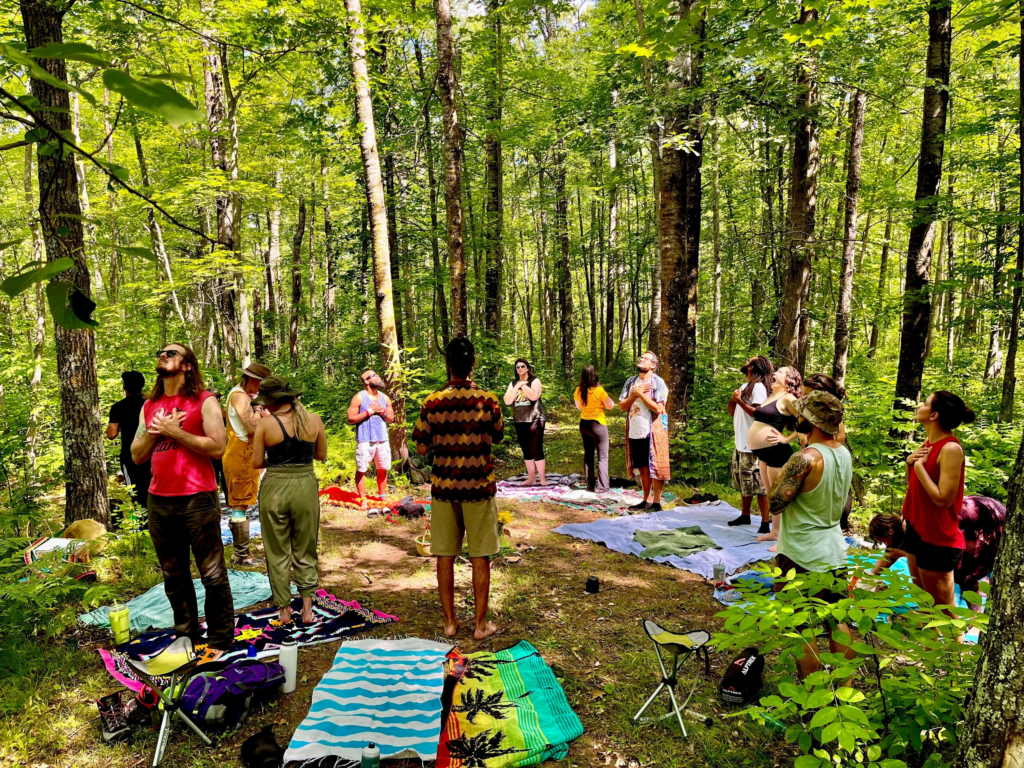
(593,401)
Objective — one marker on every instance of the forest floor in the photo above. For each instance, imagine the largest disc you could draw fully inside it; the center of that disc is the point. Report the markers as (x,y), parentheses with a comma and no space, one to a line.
(594,643)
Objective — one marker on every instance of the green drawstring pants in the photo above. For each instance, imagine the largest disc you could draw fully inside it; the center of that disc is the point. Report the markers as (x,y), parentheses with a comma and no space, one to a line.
(290,519)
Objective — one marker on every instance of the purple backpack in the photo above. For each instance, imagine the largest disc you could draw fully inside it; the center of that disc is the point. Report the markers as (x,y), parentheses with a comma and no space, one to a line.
(222,699)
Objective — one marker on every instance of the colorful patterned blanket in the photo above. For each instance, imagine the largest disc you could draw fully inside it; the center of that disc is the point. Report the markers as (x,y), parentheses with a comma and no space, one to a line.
(260,629)
(384,691)
(504,710)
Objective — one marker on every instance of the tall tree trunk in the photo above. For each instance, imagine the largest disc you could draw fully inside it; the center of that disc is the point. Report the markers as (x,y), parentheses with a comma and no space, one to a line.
(1010,369)
(391,355)
(216,117)
(993,364)
(992,736)
(883,280)
(83,197)
(842,339)
(390,197)
(274,250)
(273,343)
(802,209)
(39,342)
(259,349)
(428,150)
(293,327)
(494,171)
(448,88)
(616,272)
(916,296)
(562,269)
(85,470)
(680,219)
(234,211)
(156,235)
(331,248)
(716,224)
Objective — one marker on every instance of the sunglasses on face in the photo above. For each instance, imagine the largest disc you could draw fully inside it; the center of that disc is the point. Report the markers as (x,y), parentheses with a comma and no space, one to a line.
(521,366)
(168,353)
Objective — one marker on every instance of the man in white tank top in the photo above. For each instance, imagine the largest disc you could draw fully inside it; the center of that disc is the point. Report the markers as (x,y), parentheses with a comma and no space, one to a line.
(242,480)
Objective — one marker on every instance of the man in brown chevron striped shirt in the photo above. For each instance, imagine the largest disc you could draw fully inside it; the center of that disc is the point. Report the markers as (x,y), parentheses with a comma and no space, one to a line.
(460,423)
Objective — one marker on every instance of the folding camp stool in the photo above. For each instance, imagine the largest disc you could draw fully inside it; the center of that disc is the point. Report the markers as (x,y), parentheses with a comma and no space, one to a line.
(679,648)
(179,661)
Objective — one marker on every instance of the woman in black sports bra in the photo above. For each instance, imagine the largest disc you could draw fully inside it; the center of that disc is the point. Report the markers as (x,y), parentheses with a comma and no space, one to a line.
(286,444)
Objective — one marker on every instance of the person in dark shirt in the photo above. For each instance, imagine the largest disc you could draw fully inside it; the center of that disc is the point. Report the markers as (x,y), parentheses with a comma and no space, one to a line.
(124,421)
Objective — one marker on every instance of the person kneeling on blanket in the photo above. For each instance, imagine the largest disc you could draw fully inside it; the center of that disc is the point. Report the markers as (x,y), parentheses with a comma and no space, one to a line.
(810,495)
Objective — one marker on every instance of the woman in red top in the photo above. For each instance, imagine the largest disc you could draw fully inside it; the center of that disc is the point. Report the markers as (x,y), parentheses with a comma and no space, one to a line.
(933,540)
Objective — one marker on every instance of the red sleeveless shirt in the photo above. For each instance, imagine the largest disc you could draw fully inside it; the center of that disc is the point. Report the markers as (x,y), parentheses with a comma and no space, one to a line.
(177,470)
(934,524)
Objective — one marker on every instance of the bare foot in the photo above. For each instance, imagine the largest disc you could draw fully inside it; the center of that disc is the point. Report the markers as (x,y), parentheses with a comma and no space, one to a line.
(771,549)
(773,536)
(451,629)
(286,614)
(487,631)
(307,616)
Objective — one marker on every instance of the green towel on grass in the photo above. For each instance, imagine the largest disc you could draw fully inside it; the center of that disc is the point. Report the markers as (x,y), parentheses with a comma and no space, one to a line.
(152,611)
(676,541)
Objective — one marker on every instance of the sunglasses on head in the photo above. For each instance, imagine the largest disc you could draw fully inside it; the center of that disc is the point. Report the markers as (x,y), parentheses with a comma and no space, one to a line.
(168,353)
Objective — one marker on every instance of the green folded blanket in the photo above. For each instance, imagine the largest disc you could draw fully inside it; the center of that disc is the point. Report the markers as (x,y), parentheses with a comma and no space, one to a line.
(676,541)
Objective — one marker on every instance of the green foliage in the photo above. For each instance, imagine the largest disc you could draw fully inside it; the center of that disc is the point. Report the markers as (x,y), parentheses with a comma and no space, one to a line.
(900,694)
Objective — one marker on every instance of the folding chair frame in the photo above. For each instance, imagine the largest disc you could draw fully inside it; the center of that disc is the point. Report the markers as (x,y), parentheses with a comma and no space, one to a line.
(669,681)
(170,698)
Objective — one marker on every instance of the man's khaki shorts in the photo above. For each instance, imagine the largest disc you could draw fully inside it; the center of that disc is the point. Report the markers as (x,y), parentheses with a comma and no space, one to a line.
(478,520)
(746,476)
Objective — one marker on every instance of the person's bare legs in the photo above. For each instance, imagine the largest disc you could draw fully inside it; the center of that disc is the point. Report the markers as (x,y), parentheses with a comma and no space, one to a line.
(762,502)
(382,482)
(481,596)
(645,482)
(307,610)
(360,484)
(940,585)
(769,475)
(540,471)
(446,590)
(531,471)
(656,486)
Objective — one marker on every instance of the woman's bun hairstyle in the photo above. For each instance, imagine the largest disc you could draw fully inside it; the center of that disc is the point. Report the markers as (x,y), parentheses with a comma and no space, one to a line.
(952,410)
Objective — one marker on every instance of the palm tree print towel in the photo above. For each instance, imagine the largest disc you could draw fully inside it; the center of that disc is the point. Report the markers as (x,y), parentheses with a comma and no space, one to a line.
(504,710)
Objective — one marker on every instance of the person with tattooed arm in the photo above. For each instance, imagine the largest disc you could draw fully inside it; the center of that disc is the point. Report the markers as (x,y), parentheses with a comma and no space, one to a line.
(810,495)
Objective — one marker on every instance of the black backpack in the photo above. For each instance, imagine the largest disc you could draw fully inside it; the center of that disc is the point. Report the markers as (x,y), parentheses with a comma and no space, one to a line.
(743,679)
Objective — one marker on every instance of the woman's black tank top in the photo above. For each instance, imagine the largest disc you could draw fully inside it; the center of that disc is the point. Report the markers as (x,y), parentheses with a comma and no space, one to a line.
(768,413)
(292,450)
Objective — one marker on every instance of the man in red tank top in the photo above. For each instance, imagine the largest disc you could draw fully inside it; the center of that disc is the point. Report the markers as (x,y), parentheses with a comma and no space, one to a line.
(182,429)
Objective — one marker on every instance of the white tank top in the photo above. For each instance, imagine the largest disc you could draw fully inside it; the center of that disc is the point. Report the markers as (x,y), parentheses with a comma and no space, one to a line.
(236,421)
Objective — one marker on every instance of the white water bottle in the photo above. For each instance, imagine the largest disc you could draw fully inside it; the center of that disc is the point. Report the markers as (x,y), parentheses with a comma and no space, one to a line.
(289,659)
(371,756)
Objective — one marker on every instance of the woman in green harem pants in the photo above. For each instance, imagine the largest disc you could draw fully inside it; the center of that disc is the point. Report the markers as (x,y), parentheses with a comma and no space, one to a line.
(286,445)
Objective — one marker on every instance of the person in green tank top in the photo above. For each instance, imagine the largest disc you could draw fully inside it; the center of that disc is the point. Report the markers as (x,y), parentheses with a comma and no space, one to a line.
(810,495)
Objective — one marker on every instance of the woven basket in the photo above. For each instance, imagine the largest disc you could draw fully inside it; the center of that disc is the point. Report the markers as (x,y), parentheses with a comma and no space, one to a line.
(423,544)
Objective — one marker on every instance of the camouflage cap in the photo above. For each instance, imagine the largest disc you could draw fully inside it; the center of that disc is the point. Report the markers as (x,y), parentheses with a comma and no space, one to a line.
(822,409)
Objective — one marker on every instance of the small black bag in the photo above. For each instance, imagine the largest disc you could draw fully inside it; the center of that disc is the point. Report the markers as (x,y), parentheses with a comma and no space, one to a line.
(743,679)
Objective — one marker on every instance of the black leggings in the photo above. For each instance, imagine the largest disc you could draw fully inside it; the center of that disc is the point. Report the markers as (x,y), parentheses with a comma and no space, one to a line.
(530,435)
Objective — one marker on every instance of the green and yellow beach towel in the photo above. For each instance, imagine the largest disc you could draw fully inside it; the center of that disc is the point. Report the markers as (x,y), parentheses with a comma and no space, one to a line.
(503,710)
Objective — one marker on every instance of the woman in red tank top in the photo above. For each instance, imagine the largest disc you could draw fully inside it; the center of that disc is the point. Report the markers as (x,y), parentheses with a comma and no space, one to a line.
(933,541)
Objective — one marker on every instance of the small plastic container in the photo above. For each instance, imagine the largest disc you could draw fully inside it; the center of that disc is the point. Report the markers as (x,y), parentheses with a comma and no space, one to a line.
(370,757)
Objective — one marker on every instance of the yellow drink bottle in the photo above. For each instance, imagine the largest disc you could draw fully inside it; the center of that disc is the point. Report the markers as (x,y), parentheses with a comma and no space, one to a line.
(119,624)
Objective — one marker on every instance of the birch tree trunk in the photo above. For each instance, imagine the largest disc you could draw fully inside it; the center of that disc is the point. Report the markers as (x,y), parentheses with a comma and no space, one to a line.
(883,280)
(916,293)
(331,248)
(387,333)
(716,225)
(842,338)
(448,88)
(39,342)
(293,327)
(60,214)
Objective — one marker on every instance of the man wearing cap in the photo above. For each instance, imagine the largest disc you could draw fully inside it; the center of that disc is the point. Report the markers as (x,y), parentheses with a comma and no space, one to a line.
(810,495)
(242,479)
(370,412)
